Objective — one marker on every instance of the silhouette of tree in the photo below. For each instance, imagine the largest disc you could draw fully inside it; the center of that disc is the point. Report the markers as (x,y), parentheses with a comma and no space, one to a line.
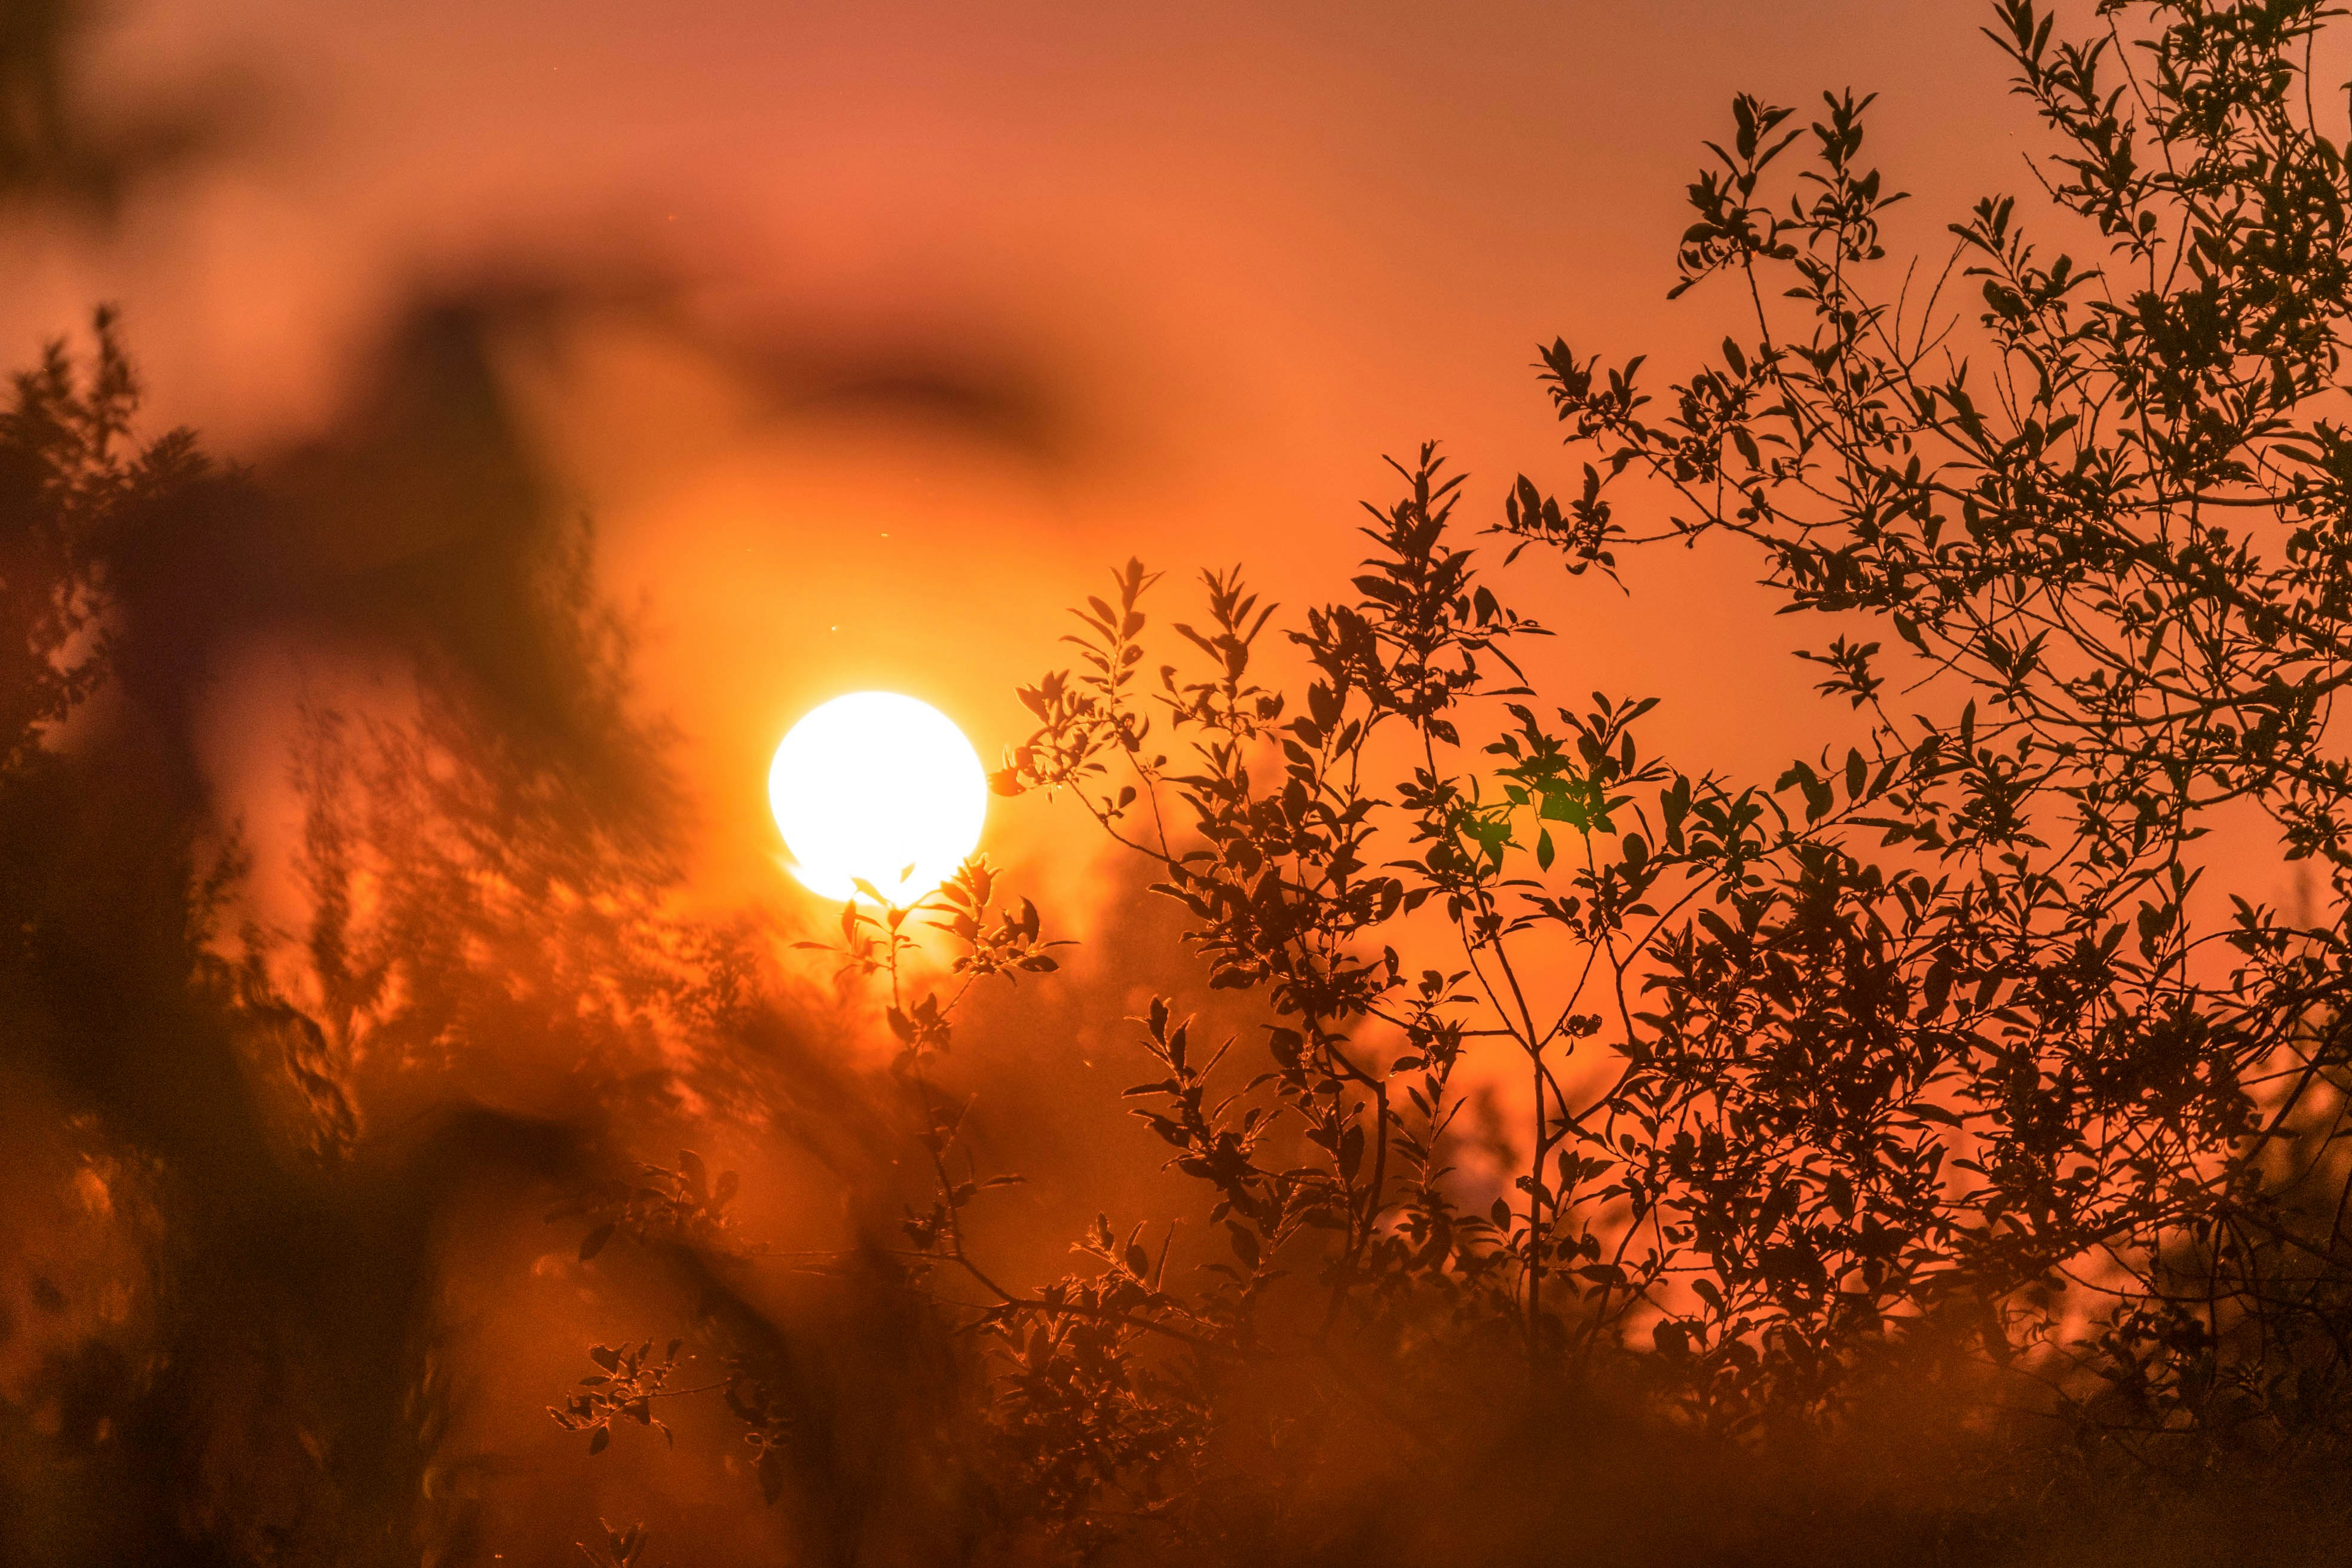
(1934,1152)
(1952,1055)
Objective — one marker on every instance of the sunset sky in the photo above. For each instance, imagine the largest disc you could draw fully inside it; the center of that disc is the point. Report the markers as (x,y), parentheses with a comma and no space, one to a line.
(869,337)
(1192,270)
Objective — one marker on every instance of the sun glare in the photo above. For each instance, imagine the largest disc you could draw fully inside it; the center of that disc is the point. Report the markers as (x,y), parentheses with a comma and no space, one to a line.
(871,784)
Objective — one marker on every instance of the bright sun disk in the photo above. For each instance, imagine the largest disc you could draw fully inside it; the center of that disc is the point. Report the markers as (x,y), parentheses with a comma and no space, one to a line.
(870,785)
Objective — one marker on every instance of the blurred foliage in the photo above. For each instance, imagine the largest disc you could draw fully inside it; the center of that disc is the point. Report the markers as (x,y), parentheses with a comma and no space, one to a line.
(56,147)
(1934,1152)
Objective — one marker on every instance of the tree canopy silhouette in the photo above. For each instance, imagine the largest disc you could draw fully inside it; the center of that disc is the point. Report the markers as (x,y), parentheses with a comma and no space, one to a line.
(1955,1052)
(1935,1151)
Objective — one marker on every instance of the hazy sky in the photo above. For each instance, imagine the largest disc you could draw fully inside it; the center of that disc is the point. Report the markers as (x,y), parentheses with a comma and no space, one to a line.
(882,329)
(1222,255)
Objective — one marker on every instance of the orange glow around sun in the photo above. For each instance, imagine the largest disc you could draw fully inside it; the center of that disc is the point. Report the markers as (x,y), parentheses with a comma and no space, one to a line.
(878,787)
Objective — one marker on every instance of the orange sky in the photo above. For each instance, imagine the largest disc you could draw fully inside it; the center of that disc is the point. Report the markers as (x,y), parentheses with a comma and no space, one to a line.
(1211,259)
(1228,254)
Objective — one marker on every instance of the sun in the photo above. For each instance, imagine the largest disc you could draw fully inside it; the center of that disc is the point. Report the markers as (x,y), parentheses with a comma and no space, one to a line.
(879,787)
